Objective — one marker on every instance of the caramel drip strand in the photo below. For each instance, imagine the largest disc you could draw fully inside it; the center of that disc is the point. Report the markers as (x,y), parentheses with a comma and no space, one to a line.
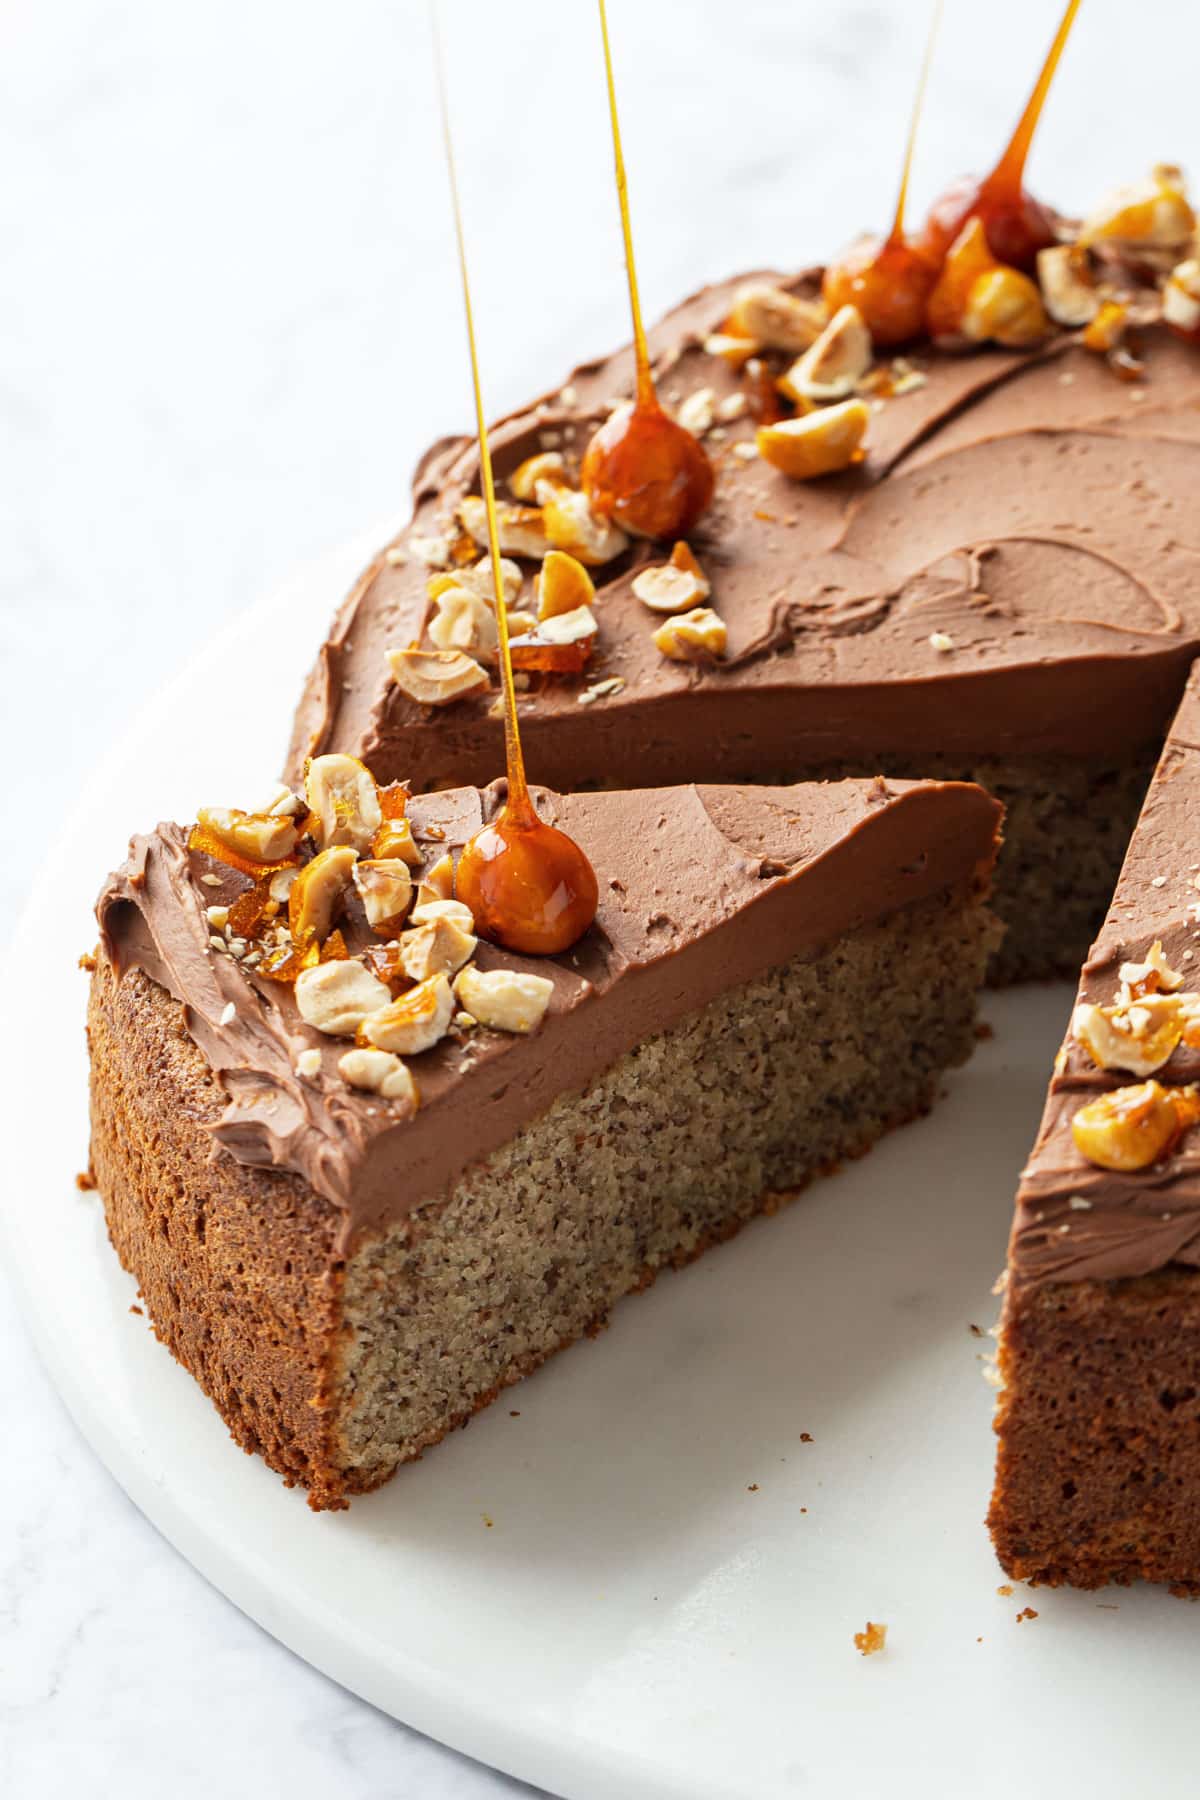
(897,232)
(1010,170)
(520,806)
(646,395)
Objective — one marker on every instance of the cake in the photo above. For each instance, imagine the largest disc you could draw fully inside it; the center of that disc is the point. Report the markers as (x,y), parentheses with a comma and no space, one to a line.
(356,1218)
(1099,1360)
(1003,590)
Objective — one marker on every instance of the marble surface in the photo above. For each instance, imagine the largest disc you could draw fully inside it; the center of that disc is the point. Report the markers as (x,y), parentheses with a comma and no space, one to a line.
(227,326)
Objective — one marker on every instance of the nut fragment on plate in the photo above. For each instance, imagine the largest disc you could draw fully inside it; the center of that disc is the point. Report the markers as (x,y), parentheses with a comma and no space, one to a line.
(521,529)
(673,586)
(571,525)
(1153,214)
(775,319)
(1132,1128)
(257,837)
(504,999)
(464,621)
(436,677)
(562,585)
(530,477)
(820,443)
(378,1072)
(695,636)
(834,364)
(335,997)
(1068,287)
(343,800)
(385,888)
(316,894)
(437,948)
(415,1022)
(1136,1037)
(1181,298)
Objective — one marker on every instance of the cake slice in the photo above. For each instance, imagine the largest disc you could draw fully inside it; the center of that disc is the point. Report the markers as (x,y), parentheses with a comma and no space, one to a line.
(1098,1475)
(1001,591)
(355,1245)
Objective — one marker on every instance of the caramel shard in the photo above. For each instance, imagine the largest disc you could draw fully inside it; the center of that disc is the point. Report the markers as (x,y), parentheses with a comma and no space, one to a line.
(834,364)
(257,838)
(775,319)
(1132,1128)
(385,888)
(1153,214)
(317,894)
(696,636)
(820,443)
(529,479)
(439,947)
(504,999)
(336,997)
(561,645)
(343,801)
(1068,289)
(413,1023)
(571,525)
(521,529)
(871,1641)
(563,585)
(436,677)
(378,1072)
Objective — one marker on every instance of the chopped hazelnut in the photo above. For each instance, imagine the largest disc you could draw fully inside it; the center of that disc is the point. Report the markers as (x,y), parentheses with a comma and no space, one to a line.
(820,443)
(1153,974)
(697,413)
(378,1072)
(1153,214)
(1181,296)
(336,997)
(775,319)
(1132,1128)
(464,621)
(1137,1037)
(571,525)
(695,636)
(258,837)
(521,529)
(1068,289)
(671,587)
(436,677)
(535,471)
(427,911)
(437,881)
(733,350)
(504,999)
(343,801)
(1004,307)
(437,948)
(563,585)
(834,364)
(414,1022)
(1105,332)
(385,888)
(317,892)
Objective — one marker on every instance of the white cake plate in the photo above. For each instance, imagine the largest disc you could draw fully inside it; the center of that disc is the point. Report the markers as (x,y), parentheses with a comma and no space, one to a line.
(640,1573)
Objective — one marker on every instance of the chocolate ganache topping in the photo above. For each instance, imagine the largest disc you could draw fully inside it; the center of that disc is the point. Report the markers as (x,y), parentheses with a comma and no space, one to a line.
(701,889)
(1075,1221)
(1009,571)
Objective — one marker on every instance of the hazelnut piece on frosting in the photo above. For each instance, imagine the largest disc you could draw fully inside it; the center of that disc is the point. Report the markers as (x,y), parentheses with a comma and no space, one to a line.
(336,997)
(385,888)
(530,479)
(1068,290)
(416,1021)
(316,894)
(563,585)
(836,362)
(436,677)
(439,947)
(256,837)
(695,636)
(819,443)
(673,586)
(343,801)
(775,319)
(378,1072)
(504,999)
(1153,214)
(521,529)
(571,525)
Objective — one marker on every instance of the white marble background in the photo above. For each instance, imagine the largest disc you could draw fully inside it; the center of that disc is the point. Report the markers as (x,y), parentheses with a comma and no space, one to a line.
(227,326)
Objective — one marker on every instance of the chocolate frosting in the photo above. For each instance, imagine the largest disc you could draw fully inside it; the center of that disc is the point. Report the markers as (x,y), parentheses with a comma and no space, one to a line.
(1073,1220)
(701,889)
(1034,508)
